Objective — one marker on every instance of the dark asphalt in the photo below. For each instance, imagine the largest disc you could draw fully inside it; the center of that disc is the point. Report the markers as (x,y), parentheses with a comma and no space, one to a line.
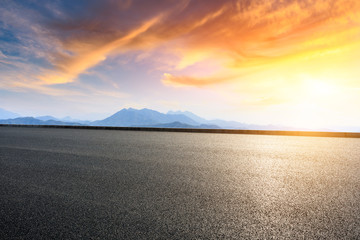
(102,184)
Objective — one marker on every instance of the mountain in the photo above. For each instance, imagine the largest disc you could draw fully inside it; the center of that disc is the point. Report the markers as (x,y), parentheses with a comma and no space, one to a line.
(34,121)
(228,124)
(144,117)
(169,125)
(233,124)
(182,119)
(217,122)
(24,120)
(70,119)
(191,115)
(66,119)
(46,118)
(4,114)
(208,126)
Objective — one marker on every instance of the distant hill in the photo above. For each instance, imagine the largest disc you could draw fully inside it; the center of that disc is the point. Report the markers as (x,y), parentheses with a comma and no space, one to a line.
(182,125)
(169,125)
(70,119)
(217,122)
(144,117)
(34,121)
(46,118)
(65,119)
(4,114)
(191,115)
(208,126)
(233,124)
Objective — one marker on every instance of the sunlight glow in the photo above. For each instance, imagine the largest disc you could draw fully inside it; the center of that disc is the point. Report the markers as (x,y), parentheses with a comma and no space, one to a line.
(318,88)
(311,106)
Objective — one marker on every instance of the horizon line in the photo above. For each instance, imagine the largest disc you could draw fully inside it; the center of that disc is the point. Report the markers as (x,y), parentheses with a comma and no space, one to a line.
(197,130)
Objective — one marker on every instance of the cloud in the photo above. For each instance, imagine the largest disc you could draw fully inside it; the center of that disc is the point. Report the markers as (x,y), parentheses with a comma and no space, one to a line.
(88,41)
(245,35)
(179,81)
(69,67)
(267,34)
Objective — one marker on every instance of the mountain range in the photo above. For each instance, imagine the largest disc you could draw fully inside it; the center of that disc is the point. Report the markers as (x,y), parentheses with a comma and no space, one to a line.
(124,118)
(148,118)
(144,117)
(35,121)
(65,119)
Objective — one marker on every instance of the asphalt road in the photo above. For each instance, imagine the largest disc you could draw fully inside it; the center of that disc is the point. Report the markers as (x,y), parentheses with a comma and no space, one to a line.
(98,184)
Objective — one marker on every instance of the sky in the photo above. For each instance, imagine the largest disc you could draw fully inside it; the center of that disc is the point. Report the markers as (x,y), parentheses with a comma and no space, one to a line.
(284,62)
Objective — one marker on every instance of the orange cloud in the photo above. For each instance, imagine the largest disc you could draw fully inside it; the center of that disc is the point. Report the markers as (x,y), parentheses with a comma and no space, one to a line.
(244,34)
(70,67)
(264,34)
(179,81)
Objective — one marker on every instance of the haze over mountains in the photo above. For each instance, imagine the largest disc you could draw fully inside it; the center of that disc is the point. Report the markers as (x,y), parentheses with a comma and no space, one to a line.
(124,118)
(4,114)
(132,117)
(147,118)
(35,121)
